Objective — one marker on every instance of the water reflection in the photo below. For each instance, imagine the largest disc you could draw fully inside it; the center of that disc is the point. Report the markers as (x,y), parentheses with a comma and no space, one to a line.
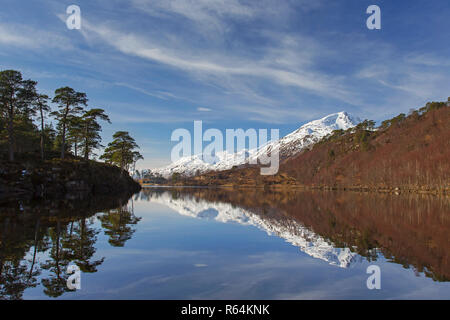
(341,228)
(275,224)
(39,240)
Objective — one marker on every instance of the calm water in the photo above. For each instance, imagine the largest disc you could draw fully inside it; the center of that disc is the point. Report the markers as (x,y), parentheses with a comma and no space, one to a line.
(224,244)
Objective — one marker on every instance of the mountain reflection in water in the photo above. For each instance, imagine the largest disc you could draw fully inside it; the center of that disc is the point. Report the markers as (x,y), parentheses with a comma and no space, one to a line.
(338,227)
(289,229)
(39,240)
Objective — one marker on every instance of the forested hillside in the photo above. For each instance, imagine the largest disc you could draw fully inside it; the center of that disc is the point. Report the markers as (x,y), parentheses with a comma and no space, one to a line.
(406,152)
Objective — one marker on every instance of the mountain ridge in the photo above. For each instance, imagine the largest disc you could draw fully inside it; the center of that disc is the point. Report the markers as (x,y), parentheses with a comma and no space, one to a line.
(291,144)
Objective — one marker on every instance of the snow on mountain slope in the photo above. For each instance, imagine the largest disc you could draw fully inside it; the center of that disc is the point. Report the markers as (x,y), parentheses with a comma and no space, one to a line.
(290,230)
(309,134)
(302,138)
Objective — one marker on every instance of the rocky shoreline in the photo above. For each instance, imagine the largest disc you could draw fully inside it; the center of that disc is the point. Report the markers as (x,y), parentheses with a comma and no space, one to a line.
(62,179)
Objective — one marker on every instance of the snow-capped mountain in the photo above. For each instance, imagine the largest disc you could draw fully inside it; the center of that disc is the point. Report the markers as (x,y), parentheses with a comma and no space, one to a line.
(292,231)
(304,137)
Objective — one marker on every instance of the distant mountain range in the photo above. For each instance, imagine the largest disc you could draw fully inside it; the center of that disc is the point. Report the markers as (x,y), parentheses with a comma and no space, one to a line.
(288,146)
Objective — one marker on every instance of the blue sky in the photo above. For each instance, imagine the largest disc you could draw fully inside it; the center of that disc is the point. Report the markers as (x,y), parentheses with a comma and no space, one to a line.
(158,65)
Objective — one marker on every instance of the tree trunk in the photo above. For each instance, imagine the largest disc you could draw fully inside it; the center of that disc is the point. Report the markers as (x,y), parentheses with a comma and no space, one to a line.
(86,151)
(86,146)
(122,161)
(36,233)
(58,232)
(11,133)
(42,134)
(63,143)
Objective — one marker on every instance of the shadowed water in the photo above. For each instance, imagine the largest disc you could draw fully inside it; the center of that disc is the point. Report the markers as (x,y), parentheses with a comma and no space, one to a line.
(199,243)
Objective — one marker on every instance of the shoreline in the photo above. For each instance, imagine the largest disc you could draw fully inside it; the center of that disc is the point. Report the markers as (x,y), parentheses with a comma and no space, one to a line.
(281,187)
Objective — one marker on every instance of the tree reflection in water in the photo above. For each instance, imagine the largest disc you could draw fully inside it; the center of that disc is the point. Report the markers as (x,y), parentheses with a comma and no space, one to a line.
(59,233)
(117,224)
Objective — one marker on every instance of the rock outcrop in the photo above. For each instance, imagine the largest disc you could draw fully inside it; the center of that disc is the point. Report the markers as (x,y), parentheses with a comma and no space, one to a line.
(63,179)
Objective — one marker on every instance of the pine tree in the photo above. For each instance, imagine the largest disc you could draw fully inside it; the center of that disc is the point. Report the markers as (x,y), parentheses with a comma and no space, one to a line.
(121,151)
(74,133)
(70,103)
(16,95)
(41,105)
(91,130)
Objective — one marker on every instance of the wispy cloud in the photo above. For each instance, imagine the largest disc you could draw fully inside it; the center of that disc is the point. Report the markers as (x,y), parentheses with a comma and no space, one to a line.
(214,18)
(22,36)
(217,64)
(158,94)
(201,109)
(427,59)
(204,12)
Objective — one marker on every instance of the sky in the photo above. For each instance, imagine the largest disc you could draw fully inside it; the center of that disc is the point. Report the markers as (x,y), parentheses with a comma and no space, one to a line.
(158,65)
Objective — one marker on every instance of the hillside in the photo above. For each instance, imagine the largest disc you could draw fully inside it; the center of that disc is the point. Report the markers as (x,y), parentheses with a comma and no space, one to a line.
(405,153)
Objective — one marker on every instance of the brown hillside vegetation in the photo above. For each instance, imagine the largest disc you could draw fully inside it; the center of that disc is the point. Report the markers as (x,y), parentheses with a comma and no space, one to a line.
(407,152)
